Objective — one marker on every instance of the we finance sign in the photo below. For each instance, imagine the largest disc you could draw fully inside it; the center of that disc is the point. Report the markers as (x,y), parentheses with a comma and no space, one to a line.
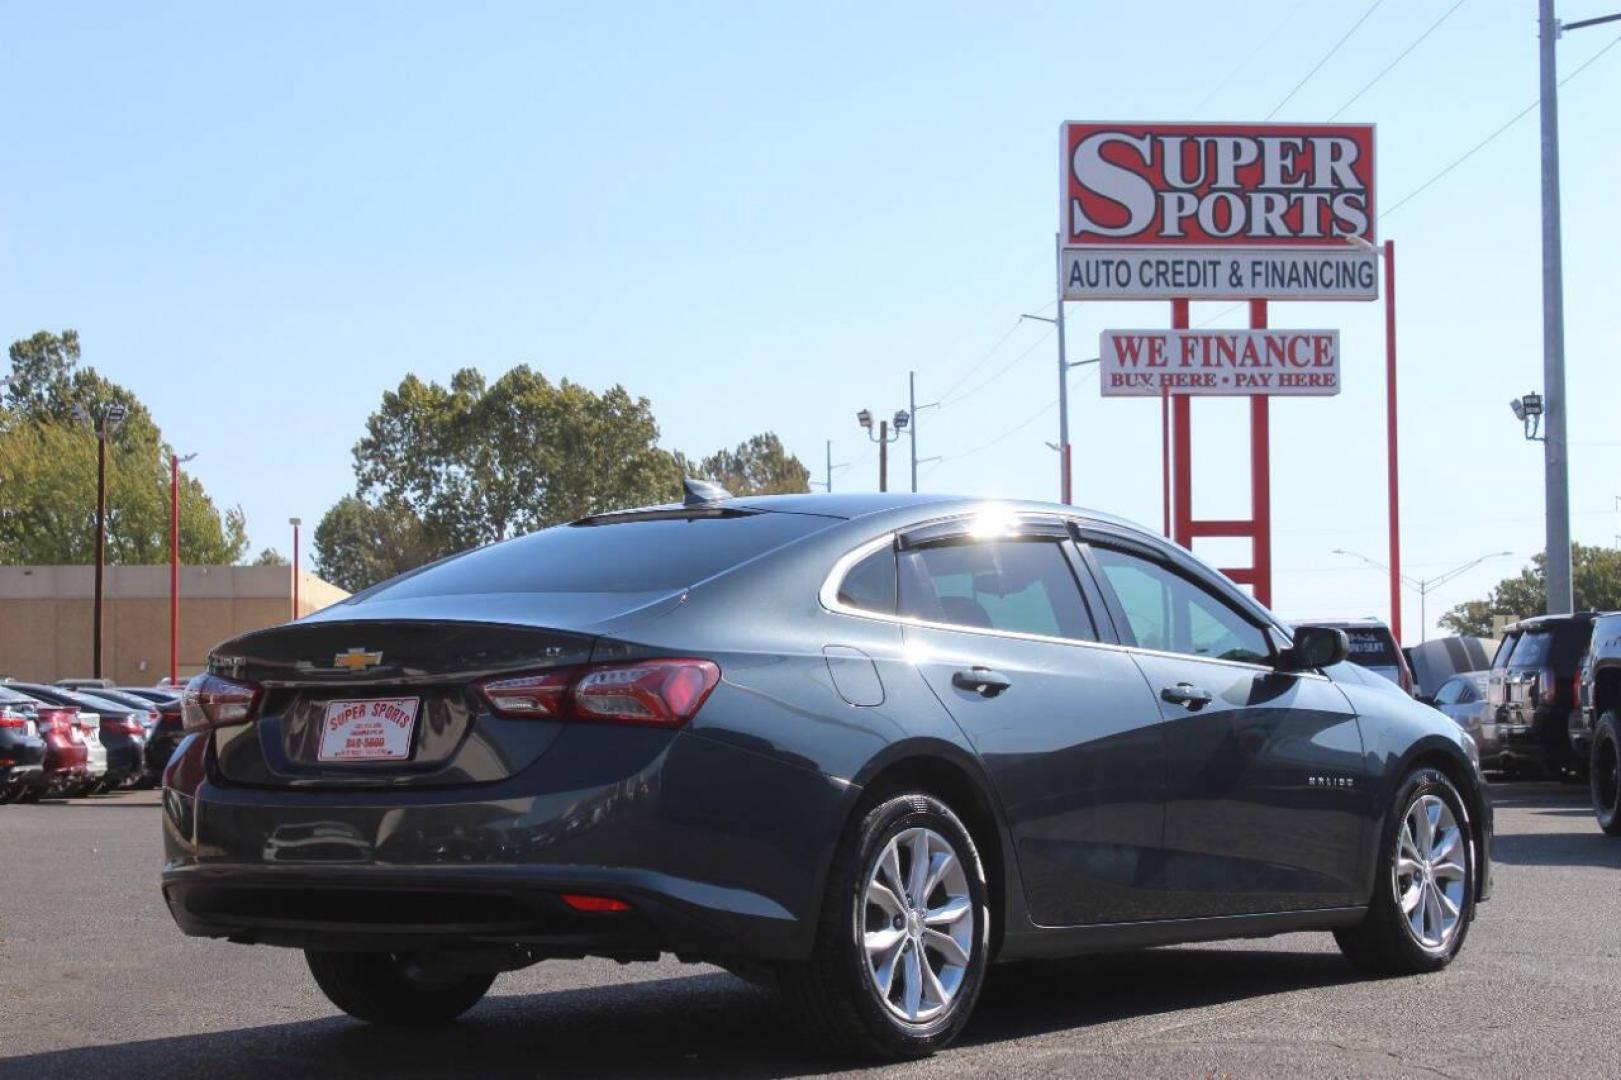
(1219,363)
(1218,211)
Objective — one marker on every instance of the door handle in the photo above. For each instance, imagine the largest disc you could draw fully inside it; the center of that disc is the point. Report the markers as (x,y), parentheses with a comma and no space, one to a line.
(1186,695)
(981,680)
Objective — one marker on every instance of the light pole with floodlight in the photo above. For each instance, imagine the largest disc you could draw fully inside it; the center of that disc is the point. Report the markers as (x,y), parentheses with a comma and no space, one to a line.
(103,425)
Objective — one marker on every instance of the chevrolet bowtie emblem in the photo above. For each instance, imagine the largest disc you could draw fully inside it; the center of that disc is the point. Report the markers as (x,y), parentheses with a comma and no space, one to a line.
(356,659)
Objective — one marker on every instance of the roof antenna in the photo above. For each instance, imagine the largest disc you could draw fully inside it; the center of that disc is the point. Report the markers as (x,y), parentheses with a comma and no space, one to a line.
(702,492)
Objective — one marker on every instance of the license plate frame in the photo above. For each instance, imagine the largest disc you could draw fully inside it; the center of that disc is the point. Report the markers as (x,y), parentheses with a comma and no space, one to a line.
(367,731)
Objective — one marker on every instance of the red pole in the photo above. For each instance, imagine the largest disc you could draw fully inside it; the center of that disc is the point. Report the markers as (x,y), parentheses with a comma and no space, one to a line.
(1261,478)
(1390,425)
(1165,453)
(1182,444)
(174,570)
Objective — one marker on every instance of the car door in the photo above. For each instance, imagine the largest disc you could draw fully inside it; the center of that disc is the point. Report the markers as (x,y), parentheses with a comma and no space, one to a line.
(1265,788)
(1003,631)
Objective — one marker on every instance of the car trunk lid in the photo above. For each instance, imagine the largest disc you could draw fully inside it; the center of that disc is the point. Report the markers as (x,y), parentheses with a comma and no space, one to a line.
(385,702)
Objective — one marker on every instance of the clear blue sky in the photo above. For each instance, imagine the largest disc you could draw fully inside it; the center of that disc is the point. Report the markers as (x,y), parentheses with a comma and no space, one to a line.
(762,216)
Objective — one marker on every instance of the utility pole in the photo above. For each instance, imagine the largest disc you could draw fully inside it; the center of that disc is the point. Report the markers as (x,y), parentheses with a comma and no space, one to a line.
(174,565)
(828,485)
(103,426)
(913,408)
(1556,466)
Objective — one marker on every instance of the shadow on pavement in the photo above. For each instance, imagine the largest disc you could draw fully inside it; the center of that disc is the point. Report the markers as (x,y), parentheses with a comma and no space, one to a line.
(701,1025)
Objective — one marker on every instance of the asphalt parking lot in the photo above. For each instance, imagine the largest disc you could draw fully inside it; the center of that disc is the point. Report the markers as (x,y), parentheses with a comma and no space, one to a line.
(95,980)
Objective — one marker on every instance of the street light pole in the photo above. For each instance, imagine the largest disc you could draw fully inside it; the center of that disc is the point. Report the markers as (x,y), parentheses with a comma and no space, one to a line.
(883,438)
(1425,586)
(295,523)
(1556,466)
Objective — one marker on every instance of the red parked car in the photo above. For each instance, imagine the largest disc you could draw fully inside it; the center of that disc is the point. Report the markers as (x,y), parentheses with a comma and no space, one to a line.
(67,758)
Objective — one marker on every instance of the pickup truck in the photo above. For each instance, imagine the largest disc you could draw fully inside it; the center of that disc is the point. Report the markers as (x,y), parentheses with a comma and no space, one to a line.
(1599,725)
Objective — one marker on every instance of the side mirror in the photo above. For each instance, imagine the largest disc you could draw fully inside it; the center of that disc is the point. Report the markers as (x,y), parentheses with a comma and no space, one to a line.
(1317,647)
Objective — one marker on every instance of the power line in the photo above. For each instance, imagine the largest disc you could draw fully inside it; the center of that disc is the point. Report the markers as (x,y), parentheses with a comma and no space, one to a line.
(1326,57)
(1400,57)
(992,351)
(1278,26)
(1003,370)
(1481,145)
(1009,433)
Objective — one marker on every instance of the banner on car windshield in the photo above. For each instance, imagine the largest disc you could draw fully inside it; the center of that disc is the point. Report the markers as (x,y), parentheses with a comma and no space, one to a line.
(1218,211)
(1219,363)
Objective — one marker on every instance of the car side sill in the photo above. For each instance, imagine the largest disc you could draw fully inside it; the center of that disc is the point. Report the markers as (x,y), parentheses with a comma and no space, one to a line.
(1043,942)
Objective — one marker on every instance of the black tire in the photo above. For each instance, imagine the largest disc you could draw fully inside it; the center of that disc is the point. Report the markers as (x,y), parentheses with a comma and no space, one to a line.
(1384,943)
(1604,774)
(9,795)
(384,989)
(833,993)
(31,795)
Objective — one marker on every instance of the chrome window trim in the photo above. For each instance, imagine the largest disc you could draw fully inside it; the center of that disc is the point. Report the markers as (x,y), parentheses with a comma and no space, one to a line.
(829,596)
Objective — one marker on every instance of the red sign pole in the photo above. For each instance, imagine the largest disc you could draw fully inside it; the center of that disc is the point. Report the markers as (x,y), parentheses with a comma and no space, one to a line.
(1182,441)
(1165,453)
(1261,478)
(1390,426)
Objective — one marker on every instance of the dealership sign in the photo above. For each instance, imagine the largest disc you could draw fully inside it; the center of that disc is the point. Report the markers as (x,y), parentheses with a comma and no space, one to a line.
(1218,211)
(1232,363)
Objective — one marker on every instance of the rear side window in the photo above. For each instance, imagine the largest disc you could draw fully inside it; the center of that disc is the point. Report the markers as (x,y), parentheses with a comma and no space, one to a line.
(871,584)
(1504,652)
(1452,692)
(1020,586)
(1534,650)
(648,555)
(1372,648)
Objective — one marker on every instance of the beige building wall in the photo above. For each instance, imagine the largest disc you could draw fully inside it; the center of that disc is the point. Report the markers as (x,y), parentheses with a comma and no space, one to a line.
(46,616)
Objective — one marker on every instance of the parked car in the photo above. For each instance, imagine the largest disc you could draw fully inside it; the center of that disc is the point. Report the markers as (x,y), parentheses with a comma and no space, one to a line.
(1435,661)
(165,734)
(64,764)
(22,751)
(1535,691)
(84,683)
(1463,698)
(1599,727)
(113,733)
(1373,646)
(864,743)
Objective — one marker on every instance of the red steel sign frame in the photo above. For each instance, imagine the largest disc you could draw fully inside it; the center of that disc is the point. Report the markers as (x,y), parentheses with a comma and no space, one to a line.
(1154,193)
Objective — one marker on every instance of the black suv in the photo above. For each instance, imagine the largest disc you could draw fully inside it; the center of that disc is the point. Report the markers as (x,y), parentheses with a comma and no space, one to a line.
(1535,691)
(1595,733)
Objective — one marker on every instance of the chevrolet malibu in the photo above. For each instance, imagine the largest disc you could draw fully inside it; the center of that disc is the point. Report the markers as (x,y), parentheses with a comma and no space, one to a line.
(859,746)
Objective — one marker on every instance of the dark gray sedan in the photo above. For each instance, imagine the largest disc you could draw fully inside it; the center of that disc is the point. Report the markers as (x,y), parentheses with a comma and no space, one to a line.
(859,746)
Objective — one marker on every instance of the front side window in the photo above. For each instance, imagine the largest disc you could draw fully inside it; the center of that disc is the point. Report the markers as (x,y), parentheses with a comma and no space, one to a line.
(1168,613)
(1019,586)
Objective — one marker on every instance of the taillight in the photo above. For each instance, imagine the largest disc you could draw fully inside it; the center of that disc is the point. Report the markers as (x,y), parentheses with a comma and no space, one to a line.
(212,702)
(9,719)
(596,905)
(124,725)
(658,693)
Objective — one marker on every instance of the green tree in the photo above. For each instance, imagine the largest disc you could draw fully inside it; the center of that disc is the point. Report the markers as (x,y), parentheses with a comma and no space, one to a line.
(358,544)
(48,471)
(269,557)
(759,466)
(1595,577)
(481,462)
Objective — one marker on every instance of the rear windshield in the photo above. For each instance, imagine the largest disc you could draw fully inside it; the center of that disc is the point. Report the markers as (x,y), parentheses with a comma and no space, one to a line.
(1558,645)
(1372,648)
(618,557)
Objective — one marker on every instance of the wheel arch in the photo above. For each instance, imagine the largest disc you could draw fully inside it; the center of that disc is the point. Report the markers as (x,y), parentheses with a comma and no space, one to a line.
(1447,759)
(952,775)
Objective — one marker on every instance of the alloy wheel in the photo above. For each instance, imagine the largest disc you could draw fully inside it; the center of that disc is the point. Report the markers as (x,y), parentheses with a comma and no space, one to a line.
(918,924)
(1431,875)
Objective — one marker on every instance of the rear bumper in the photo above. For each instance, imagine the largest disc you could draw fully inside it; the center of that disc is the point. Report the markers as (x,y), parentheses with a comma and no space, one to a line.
(720,851)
